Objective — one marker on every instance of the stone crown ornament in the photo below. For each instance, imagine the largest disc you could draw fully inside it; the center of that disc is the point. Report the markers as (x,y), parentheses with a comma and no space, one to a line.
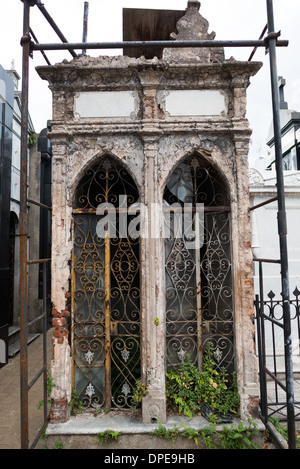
(193,27)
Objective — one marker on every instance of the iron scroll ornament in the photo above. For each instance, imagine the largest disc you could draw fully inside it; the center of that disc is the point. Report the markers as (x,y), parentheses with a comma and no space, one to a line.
(106,293)
(199,292)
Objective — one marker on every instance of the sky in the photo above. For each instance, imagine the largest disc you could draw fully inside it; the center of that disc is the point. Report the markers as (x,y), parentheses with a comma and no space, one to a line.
(230,19)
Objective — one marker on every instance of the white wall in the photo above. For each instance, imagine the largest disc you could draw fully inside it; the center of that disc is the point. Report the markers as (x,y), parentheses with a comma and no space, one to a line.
(265,243)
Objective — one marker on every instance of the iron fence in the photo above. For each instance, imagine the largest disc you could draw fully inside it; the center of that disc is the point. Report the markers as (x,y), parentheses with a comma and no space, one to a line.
(275,384)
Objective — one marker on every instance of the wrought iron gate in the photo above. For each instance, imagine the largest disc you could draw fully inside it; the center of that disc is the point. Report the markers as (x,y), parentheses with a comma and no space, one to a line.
(199,293)
(106,292)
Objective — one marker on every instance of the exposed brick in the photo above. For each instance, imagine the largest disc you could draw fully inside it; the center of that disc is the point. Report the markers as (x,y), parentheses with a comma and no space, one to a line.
(253,407)
(57,322)
(57,333)
(66,313)
(60,411)
(56,314)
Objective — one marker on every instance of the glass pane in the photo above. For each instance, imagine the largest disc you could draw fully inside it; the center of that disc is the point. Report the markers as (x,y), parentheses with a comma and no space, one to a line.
(88,313)
(106,290)
(290,161)
(181,303)
(199,297)
(216,288)
(125,317)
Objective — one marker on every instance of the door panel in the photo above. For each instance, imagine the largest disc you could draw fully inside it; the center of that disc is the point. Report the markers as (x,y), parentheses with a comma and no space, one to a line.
(88,311)
(105,292)
(198,279)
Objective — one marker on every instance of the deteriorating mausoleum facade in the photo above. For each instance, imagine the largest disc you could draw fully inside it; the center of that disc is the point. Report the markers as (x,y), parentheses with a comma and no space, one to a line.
(133,294)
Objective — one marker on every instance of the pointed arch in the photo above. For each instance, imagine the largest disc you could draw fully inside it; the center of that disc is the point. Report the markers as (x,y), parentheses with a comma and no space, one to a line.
(90,189)
(199,286)
(212,186)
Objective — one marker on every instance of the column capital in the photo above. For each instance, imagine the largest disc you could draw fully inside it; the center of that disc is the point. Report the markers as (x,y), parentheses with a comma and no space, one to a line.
(150,142)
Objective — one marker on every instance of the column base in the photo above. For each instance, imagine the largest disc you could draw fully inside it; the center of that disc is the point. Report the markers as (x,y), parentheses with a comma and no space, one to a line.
(154,409)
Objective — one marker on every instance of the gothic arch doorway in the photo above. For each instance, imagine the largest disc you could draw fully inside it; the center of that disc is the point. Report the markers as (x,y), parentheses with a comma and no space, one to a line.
(105,287)
(198,275)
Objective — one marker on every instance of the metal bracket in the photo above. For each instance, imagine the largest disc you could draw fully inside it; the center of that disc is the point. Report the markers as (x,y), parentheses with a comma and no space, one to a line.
(271,36)
(27,39)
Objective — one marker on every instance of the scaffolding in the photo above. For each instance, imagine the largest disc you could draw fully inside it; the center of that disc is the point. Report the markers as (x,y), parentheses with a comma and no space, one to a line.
(269,40)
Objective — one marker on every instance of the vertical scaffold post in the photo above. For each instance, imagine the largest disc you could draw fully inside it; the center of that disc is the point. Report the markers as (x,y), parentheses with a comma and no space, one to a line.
(282,227)
(25,42)
(85,25)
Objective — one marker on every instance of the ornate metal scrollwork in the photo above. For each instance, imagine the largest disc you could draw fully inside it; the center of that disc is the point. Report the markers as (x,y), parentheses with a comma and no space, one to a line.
(199,295)
(106,293)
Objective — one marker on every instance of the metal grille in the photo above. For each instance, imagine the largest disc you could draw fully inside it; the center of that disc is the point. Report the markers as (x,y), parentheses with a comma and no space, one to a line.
(199,295)
(216,288)
(106,293)
(271,350)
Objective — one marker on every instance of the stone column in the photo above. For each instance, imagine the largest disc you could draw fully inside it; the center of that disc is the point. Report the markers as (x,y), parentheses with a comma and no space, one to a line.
(239,87)
(60,271)
(154,403)
(244,288)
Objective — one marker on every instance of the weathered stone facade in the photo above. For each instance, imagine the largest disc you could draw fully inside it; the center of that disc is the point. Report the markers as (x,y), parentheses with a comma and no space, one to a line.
(148,114)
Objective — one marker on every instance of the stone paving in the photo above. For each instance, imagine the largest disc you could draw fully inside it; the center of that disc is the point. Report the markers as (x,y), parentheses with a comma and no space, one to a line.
(10,427)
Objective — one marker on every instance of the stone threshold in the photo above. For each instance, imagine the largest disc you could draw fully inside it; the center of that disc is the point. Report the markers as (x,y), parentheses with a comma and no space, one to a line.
(88,424)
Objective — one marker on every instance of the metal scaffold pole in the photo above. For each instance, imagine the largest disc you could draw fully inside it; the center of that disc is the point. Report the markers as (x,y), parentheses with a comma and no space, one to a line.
(25,42)
(282,227)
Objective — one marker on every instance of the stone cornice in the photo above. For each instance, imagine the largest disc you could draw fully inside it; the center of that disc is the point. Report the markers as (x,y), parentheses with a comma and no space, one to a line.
(238,130)
(115,72)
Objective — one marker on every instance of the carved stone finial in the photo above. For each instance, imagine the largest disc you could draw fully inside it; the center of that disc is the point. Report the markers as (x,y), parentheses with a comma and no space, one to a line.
(193,4)
(193,26)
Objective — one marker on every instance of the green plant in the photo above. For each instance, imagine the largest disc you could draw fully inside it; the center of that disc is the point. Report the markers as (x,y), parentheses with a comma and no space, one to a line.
(32,140)
(107,436)
(156,321)
(182,391)
(207,434)
(233,437)
(239,437)
(49,386)
(188,389)
(43,437)
(58,445)
(167,433)
(279,427)
(191,434)
(75,403)
(138,392)
(216,389)
(204,434)
(283,430)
